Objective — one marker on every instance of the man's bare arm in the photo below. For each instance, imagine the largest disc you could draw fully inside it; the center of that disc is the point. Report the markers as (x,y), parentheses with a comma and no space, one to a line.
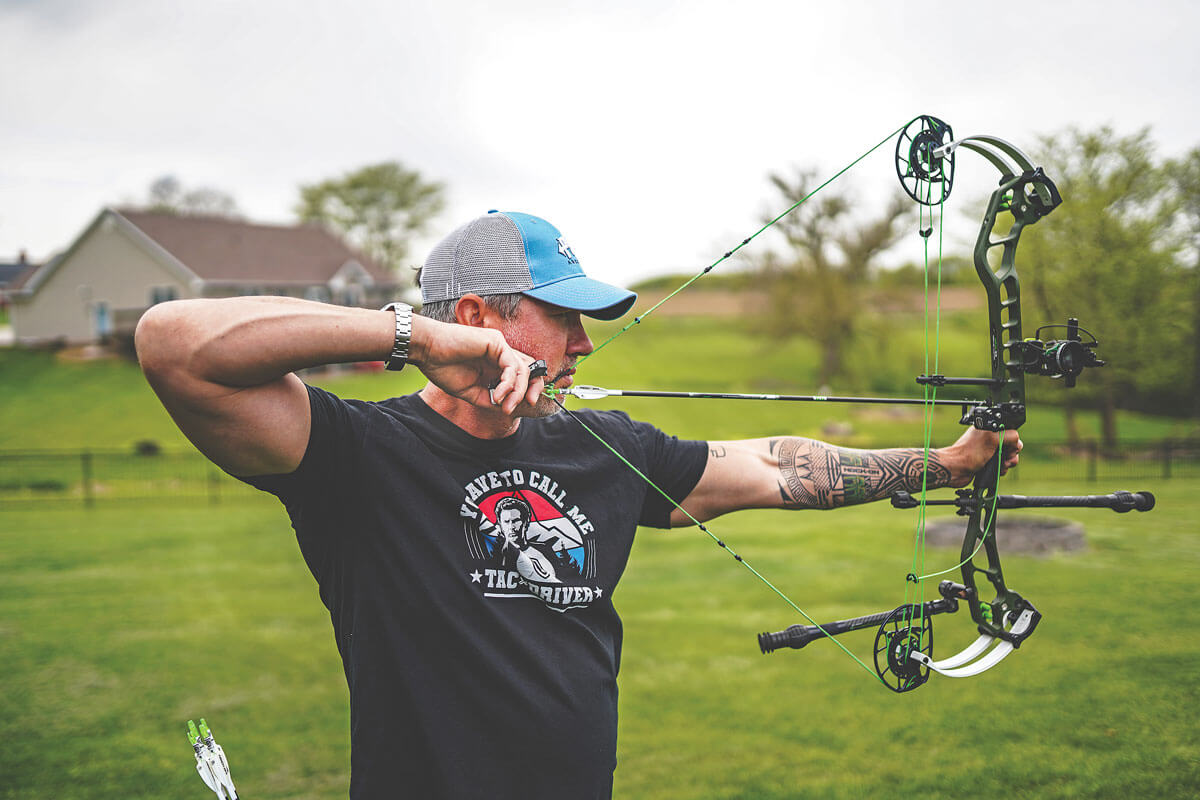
(796,473)
(813,474)
(224,369)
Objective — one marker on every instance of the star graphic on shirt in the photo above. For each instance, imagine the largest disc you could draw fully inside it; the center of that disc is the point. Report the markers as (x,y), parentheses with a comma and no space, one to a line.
(475,576)
(599,592)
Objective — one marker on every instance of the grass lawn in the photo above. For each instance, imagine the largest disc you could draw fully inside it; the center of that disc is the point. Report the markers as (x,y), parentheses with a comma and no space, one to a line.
(1098,703)
(50,403)
(119,624)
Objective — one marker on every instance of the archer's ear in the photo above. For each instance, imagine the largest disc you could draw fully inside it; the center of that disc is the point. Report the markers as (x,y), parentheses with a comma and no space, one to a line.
(471,310)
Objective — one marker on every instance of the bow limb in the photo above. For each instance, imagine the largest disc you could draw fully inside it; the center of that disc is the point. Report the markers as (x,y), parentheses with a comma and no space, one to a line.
(967,663)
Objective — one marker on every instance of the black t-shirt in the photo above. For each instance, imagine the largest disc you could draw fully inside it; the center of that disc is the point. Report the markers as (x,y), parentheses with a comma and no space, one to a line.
(469,582)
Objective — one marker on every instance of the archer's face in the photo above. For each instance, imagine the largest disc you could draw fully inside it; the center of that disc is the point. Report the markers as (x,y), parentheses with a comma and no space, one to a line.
(553,334)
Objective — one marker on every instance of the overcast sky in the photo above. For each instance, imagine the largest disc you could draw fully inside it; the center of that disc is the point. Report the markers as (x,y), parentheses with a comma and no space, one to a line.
(643,129)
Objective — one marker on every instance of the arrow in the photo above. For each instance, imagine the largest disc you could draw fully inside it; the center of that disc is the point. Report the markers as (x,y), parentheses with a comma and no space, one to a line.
(585,392)
(210,761)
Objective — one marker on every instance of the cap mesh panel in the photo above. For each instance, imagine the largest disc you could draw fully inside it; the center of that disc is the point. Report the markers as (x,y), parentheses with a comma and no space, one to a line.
(485,256)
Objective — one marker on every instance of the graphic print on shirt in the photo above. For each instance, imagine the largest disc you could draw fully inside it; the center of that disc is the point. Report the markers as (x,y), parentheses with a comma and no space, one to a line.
(528,541)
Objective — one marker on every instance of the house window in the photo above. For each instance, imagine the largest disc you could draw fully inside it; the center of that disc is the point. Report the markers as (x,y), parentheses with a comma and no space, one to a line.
(161,294)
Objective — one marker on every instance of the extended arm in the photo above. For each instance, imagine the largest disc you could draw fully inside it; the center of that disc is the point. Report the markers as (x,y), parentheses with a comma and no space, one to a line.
(793,472)
(224,369)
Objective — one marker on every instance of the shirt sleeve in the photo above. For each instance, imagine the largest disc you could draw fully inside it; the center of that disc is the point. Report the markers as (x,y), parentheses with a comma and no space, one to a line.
(674,465)
(336,429)
(318,491)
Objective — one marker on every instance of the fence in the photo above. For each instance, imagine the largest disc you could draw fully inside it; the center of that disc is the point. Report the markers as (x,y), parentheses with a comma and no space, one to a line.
(1090,462)
(49,478)
(70,479)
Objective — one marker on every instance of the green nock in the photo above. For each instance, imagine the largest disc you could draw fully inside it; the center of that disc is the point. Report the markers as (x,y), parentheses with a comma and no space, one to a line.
(204,731)
(193,735)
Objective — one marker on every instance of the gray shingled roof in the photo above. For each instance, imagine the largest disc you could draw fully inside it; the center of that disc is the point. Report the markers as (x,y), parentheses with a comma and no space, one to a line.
(224,250)
(10,272)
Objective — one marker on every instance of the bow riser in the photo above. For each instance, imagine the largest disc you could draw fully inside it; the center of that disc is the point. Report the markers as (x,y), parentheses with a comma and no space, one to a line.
(1029,196)
(1006,409)
(1004,304)
(981,535)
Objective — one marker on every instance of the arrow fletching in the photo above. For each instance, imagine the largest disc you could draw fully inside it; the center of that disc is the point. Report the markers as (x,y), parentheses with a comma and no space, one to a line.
(584,392)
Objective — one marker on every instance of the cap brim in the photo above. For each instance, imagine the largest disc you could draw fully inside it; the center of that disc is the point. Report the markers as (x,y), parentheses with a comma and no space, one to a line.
(586,295)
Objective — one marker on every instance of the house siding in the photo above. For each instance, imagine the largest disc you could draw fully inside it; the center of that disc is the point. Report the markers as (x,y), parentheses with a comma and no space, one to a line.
(106,269)
(123,263)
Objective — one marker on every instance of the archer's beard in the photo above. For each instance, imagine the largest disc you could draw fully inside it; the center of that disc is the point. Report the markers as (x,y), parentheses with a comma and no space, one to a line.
(545,407)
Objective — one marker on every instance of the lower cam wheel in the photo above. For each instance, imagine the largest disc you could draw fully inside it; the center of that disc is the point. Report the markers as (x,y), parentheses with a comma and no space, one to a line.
(905,631)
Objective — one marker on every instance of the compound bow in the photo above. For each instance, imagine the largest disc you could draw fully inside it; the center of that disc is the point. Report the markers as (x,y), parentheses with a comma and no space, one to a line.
(903,651)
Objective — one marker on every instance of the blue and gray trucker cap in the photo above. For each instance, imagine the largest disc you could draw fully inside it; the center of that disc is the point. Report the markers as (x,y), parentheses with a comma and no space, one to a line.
(505,252)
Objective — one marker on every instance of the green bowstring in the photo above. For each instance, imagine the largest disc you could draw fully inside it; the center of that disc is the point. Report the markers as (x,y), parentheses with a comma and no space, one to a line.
(553,393)
(916,591)
(729,254)
(720,543)
(990,528)
(918,576)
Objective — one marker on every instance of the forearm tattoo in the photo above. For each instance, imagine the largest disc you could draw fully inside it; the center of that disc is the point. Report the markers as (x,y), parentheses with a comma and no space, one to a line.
(817,475)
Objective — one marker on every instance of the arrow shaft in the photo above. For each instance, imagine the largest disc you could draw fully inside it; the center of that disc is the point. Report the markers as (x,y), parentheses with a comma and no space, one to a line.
(813,398)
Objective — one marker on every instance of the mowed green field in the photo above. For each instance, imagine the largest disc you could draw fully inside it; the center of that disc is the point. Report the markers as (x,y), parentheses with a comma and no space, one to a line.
(119,623)
(55,403)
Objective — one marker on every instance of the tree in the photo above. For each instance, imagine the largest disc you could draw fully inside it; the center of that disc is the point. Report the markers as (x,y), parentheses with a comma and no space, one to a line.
(168,196)
(1185,177)
(1108,257)
(817,288)
(378,208)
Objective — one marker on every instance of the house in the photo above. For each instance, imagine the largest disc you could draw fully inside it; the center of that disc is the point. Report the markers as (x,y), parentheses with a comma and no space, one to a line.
(11,275)
(126,261)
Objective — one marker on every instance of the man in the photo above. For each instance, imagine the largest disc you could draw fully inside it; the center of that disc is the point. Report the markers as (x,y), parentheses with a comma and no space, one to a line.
(514,516)
(469,676)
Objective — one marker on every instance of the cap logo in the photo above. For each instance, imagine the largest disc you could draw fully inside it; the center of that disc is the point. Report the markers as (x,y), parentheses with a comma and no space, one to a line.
(565,249)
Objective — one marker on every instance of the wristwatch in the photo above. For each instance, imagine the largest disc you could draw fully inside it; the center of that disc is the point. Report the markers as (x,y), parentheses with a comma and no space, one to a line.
(399,356)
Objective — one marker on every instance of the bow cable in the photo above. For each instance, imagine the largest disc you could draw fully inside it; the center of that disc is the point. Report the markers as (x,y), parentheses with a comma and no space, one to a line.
(720,543)
(729,254)
(916,576)
(929,402)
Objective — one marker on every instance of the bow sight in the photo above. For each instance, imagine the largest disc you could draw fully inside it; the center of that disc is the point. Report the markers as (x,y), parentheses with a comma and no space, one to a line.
(1059,358)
